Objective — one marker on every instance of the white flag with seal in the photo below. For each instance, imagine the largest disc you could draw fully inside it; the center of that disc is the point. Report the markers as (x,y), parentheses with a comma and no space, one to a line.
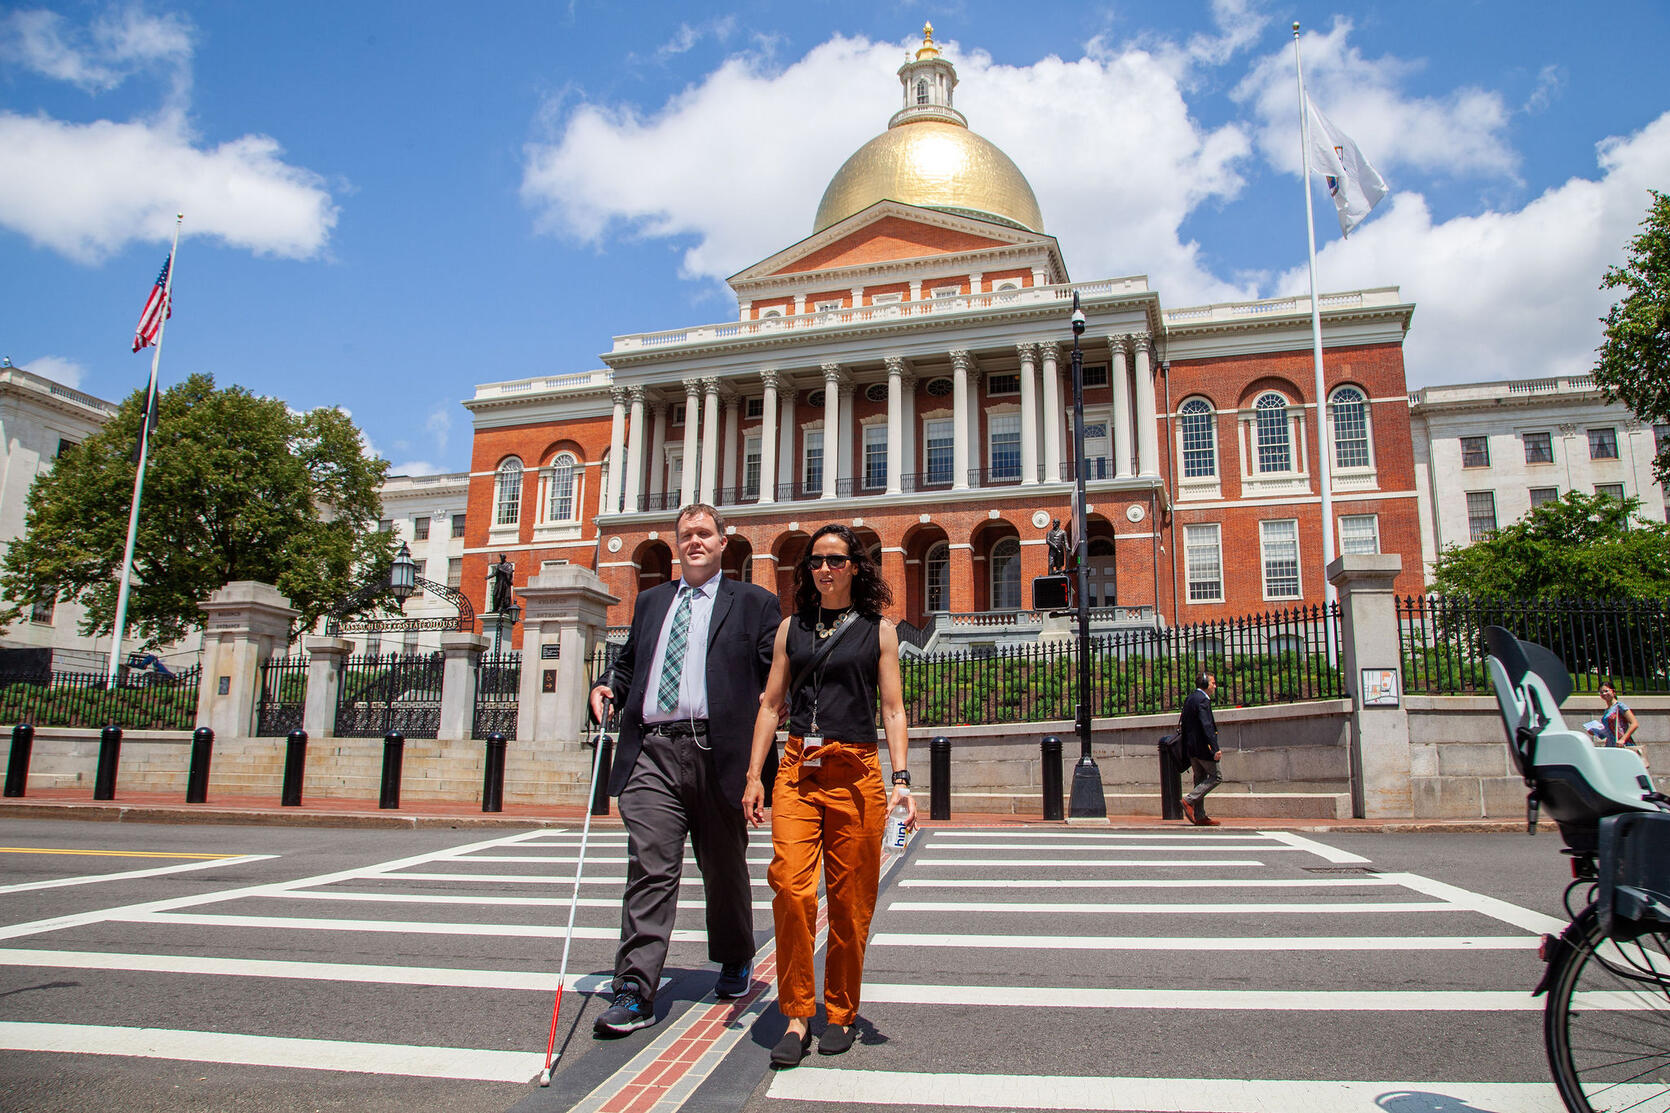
(1355,186)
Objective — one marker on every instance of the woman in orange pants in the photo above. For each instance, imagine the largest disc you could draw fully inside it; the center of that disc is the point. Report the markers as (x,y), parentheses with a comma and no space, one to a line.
(833,656)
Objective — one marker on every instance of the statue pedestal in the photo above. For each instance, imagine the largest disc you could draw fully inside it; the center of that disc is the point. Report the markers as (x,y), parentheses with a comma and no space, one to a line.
(1058,628)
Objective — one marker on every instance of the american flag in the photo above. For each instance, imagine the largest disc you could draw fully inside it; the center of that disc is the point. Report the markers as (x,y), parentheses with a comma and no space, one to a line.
(150,319)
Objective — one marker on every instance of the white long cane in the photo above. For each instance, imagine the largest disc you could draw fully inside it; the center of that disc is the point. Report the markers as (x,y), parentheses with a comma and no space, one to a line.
(579,867)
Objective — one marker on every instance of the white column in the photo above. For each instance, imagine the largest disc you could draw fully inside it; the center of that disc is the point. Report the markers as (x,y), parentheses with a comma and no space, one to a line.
(788,466)
(1120,423)
(710,440)
(1029,413)
(895,422)
(1052,412)
(907,385)
(1148,437)
(658,446)
(692,415)
(848,428)
(961,364)
(733,421)
(768,437)
(831,424)
(617,449)
(635,450)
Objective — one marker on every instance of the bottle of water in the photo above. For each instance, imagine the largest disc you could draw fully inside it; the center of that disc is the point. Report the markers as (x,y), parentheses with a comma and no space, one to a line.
(896,835)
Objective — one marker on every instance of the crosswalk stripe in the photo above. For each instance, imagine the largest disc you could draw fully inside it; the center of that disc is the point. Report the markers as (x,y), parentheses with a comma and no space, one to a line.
(566,860)
(1079,864)
(1260,848)
(453,898)
(394,927)
(1321,850)
(133,875)
(1104,836)
(273,1051)
(1175,909)
(1185,943)
(1162,1095)
(1205,1000)
(1477,902)
(1146,883)
(532,878)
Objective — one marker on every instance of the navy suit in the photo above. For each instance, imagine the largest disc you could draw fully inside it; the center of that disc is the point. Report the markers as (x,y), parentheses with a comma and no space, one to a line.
(1200,742)
(671,785)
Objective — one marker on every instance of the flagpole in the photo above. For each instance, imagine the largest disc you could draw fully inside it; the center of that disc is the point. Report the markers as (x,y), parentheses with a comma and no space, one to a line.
(1323,448)
(119,627)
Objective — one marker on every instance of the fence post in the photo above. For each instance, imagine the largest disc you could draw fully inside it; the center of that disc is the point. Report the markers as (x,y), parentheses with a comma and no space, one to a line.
(295,766)
(197,779)
(110,754)
(492,774)
(939,778)
(1051,776)
(600,791)
(394,752)
(1171,785)
(1380,754)
(17,765)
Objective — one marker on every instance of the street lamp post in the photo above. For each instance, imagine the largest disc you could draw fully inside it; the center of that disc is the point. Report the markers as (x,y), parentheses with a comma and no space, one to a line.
(1088,801)
(502,619)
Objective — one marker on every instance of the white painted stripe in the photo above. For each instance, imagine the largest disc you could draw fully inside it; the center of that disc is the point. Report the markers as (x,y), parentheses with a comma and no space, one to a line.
(544,981)
(1161,1095)
(1345,1000)
(567,860)
(1477,902)
(272,1051)
(1220,909)
(1099,836)
(132,875)
(1147,883)
(452,898)
(394,927)
(1250,848)
(1185,943)
(1057,863)
(533,878)
(1326,853)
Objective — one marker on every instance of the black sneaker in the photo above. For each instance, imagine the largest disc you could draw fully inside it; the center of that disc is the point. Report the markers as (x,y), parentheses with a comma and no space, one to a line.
(629,1013)
(735,978)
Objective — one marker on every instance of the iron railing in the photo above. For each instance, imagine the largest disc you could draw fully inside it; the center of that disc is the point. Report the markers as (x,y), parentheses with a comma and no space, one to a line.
(497,688)
(1626,641)
(283,702)
(140,701)
(380,694)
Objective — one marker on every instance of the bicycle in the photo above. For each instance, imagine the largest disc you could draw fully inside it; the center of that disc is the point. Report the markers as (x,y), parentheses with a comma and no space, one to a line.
(1606,1027)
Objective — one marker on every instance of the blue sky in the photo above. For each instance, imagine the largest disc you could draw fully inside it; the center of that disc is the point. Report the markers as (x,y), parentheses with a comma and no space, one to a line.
(387,203)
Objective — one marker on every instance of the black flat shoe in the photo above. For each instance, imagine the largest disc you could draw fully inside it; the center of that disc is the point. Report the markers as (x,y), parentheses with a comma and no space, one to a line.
(791,1049)
(836,1039)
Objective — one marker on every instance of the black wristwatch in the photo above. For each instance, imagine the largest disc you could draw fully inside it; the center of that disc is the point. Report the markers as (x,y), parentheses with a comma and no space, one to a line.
(901,777)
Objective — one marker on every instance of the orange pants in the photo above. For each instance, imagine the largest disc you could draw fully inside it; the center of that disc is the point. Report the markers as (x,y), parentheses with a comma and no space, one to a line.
(832,816)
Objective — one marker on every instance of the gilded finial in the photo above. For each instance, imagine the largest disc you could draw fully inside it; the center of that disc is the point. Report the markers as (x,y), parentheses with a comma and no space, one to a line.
(929,50)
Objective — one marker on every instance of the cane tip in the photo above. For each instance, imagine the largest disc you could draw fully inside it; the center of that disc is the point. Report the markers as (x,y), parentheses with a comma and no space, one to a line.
(545,1077)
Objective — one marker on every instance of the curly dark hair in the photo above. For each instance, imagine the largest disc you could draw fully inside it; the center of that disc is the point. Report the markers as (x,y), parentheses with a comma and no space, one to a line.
(870,593)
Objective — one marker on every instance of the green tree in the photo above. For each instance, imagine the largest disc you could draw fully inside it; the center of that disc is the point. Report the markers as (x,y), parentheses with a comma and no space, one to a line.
(1634,363)
(237,487)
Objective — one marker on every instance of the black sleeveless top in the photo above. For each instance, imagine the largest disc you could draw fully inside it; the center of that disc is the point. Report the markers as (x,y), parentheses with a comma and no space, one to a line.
(843,683)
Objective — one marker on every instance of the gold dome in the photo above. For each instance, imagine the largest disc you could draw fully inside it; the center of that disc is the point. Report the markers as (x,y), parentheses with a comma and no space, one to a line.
(936,165)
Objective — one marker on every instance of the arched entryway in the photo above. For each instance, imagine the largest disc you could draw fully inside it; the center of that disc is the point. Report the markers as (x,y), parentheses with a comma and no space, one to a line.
(738,559)
(927,586)
(997,566)
(655,564)
(789,548)
(1101,567)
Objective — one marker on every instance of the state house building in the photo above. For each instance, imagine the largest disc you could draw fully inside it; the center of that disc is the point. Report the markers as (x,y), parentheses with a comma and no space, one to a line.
(906,370)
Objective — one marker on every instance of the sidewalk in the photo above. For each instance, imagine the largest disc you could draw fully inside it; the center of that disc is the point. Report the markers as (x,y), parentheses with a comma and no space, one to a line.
(159,807)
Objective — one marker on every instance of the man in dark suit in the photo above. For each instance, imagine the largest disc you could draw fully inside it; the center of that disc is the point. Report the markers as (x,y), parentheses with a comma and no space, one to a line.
(1200,742)
(687,685)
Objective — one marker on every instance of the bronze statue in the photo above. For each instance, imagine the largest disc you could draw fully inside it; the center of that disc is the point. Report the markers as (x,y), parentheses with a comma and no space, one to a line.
(501,597)
(1058,542)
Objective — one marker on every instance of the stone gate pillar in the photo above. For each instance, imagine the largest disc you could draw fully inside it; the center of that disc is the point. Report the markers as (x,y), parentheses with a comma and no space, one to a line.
(567,609)
(1372,664)
(324,682)
(460,655)
(247,622)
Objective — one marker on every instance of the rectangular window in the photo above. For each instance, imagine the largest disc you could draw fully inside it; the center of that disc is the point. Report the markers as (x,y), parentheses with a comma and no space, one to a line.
(1475,452)
(64,445)
(751,467)
(42,610)
(1097,375)
(1003,384)
(1539,448)
(875,456)
(826,306)
(1203,557)
(420,529)
(1603,444)
(886,299)
(937,441)
(753,407)
(1481,514)
(678,414)
(1359,533)
(814,460)
(947,291)
(1661,439)
(1610,490)
(1540,495)
(1279,543)
(386,525)
(455,571)
(458,525)
(1005,434)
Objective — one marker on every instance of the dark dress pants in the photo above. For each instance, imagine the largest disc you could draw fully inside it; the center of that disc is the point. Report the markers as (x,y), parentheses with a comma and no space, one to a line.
(671,792)
(1207,778)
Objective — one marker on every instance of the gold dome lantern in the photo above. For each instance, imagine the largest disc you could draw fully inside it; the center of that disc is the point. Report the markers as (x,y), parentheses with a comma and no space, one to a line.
(928,157)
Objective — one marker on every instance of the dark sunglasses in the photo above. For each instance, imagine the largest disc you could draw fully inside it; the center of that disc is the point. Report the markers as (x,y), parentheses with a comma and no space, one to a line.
(836,561)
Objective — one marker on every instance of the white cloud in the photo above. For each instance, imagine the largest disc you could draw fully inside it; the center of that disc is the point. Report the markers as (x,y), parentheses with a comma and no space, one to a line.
(57,368)
(115,46)
(415,467)
(1505,294)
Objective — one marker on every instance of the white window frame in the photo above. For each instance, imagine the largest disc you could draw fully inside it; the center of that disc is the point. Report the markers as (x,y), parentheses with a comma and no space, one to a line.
(1260,408)
(1547,438)
(507,493)
(1348,544)
(1199,540)
(1004,414)
(1207,484)
(938,558)
(565,470)
(1461,448)
(812,434)
(874,436)
(887,299)
(949,447)
(1257,483)
(999,565)
(1270,544)
(751,459)
(1474,535)
(1361,399)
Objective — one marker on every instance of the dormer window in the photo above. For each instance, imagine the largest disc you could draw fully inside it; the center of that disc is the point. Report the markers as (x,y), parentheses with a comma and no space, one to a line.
(921,92)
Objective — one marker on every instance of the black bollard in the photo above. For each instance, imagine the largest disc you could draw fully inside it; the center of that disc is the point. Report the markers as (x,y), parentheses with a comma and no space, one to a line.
(492,774)
(295,767)
(394,752)
(17,766)
(600,791)
(197,779)
(1051,777)
(1171,785)
(939,778)
(110,753)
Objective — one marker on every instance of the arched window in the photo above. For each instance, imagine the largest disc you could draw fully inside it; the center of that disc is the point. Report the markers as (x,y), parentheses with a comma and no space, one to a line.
(507,494)
(560,503)
(1275,452)
(921,92)
(1006,575)
(1200,439)
(936,585)
(1348,416)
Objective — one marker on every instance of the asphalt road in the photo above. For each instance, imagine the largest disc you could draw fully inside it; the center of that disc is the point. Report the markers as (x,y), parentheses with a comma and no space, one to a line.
(241,968)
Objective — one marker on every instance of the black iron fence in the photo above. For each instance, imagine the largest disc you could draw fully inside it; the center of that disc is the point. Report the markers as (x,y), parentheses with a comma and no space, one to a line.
(380,694)
(283,702)
(1627,641)
(1282,657)
(140,701)
(497,685)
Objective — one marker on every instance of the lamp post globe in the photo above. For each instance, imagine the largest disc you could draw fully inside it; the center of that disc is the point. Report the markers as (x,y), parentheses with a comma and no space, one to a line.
(403,574)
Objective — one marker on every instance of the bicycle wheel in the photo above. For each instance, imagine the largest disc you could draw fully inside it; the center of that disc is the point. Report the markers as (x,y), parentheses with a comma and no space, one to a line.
(1607,1024)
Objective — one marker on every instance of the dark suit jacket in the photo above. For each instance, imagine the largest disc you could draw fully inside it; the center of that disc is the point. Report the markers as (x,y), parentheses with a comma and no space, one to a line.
(740,639)
(1200,730)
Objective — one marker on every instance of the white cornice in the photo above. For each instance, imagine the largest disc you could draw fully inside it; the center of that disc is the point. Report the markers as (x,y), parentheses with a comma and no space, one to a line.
(902,270)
